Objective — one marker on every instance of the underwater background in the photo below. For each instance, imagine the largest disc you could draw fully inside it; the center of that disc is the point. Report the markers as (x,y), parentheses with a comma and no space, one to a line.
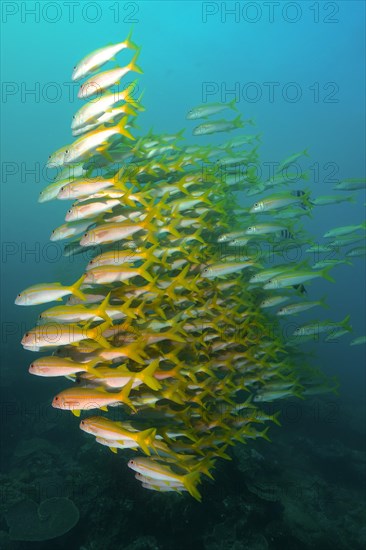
(297,69)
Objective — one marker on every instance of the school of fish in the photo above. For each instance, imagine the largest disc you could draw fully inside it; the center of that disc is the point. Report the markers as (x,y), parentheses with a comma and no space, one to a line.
(174,329)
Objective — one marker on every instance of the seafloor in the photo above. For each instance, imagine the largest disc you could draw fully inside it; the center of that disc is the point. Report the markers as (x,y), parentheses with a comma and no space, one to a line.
(305,490)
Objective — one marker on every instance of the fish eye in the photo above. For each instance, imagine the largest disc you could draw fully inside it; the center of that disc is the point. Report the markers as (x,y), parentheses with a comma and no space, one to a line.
(82,422)
(85,234)
(62,188)
(56,398)
(26,334)
(19,295)
(67,150)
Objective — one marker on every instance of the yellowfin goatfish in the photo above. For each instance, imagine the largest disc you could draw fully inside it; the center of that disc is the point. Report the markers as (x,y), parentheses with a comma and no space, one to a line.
(85,187)
(85,399)
(53,334)
(92,110)
(345,230)
(48,292)
(110,117)
(292,159)
(358,341)
(296,278)
(95,140)
(102,81)
(76,313)
(90,209)
(280,200)
(352,184)
(294,309)
(59,366)
(159,471)
(331,199)
(99,57)
(324,326)
(208,109)
(222,269)
(220,126)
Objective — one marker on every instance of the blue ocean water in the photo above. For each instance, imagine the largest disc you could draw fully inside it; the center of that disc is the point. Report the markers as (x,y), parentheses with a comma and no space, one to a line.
(296,68)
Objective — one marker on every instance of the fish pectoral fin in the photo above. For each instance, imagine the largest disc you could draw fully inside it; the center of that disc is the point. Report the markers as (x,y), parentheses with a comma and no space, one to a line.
(113,449)
(105,409)
(76,412)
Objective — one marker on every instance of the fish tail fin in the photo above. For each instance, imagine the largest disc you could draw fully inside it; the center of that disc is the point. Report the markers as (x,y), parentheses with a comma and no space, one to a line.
(190,482)
(325,274)
(127,109)
(75,288)
(263,434)
(90,366)
(174,336)
(126,309)
(131,45)
(146,439)
(181,277)
(346,323)
(97,334)
(305,201)
(124,395)
(205,465)
(147,376)
(132,65)
(142,270)
(172,229)
(274,418)
(138,105)
(126,94)
(221,453)
(122,130)
(297,393)
(238,122)
(179,135)
(232,104)
(132,353)
(101,310)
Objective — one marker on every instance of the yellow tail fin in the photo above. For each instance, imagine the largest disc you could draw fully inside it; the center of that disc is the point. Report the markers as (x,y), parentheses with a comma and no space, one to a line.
(76,286)
(132,65)
(147,376)
(146,439)
(190,482)
(122,130)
